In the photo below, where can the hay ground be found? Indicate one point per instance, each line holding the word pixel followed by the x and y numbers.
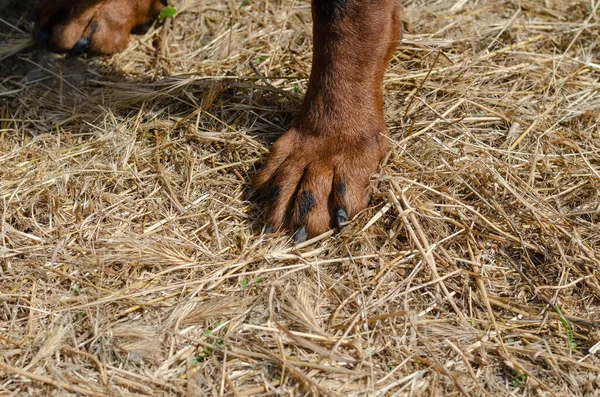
pixel 132 262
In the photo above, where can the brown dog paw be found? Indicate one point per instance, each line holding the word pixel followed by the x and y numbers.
pixel 315 182
pixel 92 26
pixel 317 174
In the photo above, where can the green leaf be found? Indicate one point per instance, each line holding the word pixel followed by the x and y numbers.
pixel 568 329
pixel 244 283
pixel 518 380
pixel 167 12
pixel 260 59
pixel 244 2
pixel 197 359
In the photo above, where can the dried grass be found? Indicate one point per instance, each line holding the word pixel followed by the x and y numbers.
pixel 132 262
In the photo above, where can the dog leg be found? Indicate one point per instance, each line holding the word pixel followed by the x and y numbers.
pixel 317 174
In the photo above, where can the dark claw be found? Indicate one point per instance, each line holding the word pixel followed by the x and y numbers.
pixel 81 45
pixel 41 37
pixel 268 229
pixel 301 235
pixel 93 29
pixel 307 202
pixel 341 188
pixel 34 16
pixel 143 28
pixel 341 217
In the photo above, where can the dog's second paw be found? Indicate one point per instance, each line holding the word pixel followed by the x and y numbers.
pixel 91 26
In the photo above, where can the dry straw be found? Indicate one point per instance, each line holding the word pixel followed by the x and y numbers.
pixel 133 264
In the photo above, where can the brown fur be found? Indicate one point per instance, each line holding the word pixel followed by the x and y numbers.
pixel 317 174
